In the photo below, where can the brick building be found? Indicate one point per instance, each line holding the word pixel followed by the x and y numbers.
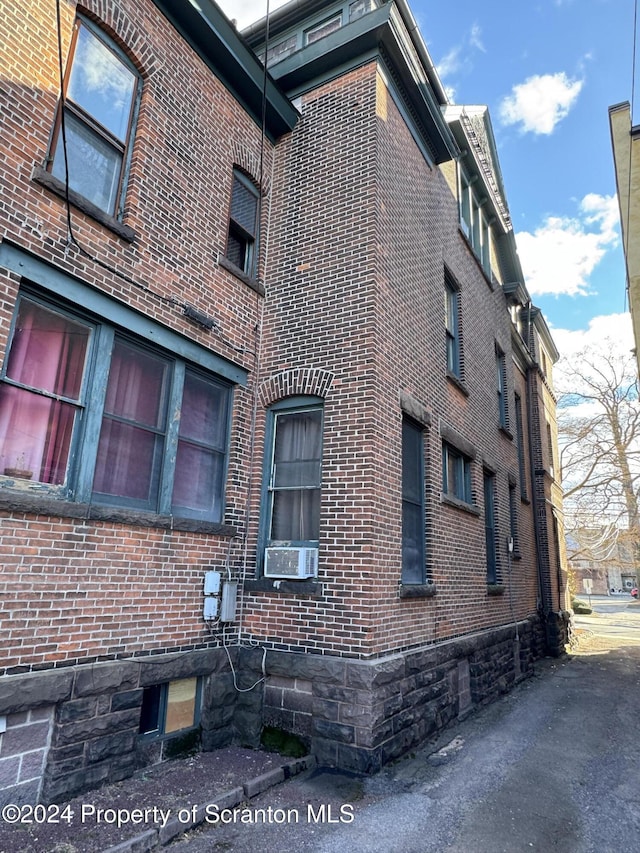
pixel 275 406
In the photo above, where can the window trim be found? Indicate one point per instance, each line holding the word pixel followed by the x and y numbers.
pixel 409 423
pixel 61 286
pixel 87 120
pixel 453 306
pixel 522 467
pixel 159 733
pixel 450 454
pixel 502 388
pixel 252 250
pixel 82 456
pixel 289 405
pixel 490 529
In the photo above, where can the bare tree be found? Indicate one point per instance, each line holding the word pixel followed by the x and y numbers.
pixel 599 437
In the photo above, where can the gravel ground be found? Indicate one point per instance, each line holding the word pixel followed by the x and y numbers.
pixel 168 787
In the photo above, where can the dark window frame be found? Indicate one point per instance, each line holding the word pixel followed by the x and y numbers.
pixel 522 468
pixel 81 458
pixel 154 707
pixel 502 388
pixel 242 247
pixel 452 310
pixel 456 472
pixel 490 525
pixel 413 502
pixel 289 406
pixel 74 112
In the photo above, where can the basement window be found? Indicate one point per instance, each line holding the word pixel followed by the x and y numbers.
pixel 171 707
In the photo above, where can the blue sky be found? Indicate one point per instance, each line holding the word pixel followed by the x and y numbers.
pixel 548 71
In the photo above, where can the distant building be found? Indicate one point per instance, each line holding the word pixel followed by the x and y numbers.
pixel 277 423
pixel 625 140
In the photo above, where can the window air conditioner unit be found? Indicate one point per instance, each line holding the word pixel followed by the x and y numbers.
pixel 295 563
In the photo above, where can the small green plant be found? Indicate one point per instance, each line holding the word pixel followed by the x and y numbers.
pixel 276 740
pixel 581 607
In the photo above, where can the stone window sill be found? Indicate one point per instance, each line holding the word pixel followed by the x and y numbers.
pixel 418 590
pixel 458 504
pixel 495 589
pixel 42 504
pixel 506 432
pixel 57 187
pixel 459 384
pixel 309 587
pixel 253 283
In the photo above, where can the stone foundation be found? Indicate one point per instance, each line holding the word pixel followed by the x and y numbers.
pixel 71 730
pixel 359 715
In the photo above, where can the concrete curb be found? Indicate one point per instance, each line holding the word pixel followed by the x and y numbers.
pixel 151 839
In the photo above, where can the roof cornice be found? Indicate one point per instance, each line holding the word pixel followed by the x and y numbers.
pixel 388 32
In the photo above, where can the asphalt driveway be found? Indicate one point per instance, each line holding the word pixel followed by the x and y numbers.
pixel 552 766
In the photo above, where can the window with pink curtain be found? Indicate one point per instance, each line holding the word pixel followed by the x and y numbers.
pixel 41 394
pixel 199 472
pixel 133 424
pixel 126 448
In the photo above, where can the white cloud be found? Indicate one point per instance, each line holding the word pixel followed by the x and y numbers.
pixel 450 63
pixel 561 254
pixel 459 58
pixel 606 333
pixel 538 104
pixel 475 38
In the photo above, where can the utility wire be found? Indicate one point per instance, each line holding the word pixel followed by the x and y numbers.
pixel 72 240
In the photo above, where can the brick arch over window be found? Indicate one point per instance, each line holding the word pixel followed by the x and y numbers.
pixel 118 26
pixel 249 162
pixel 297 382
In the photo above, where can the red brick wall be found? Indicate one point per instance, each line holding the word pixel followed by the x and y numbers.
pixel 369 307
pixel 74 589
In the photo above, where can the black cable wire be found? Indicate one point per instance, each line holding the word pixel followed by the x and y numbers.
pixel 72 239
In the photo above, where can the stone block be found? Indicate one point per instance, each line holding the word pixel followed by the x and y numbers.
pixel 280 681
pixel 358 760
pixel 302 724
pixel 325 709
pixel 374 737
pixel 105 677
pixel 315 668
pixel 299 702
pixel 370 674
pixel 141 843
pixel 38 714
pixel 278 718
pixel 172 829
pixel 9 770
pixel 24 692
pixel 217 738
pixel 273 696
pixel 156 670
pixel 77 709
pixel 32 765
pixel 325 751
pixel 116 744
pixel 25 793
pixel 264 782
pixel 333 731
pixel 96 727
pixel 17 719
pixel 66 787
pixel 126 700
pixel 19 739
